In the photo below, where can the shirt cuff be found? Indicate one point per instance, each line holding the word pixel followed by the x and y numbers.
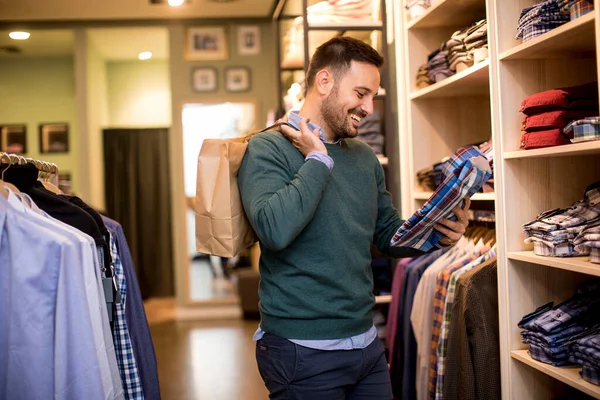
pixel 324 158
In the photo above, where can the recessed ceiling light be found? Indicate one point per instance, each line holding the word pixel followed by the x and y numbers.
pixel 19 35
pixel 176 3
pixel 145 55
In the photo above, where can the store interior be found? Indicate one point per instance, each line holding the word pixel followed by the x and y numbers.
pixel 118 98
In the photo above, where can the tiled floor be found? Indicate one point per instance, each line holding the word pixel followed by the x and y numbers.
pixel 204 360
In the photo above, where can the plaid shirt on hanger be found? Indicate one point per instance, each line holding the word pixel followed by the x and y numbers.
pixel 438 361
pixel 132 384
pixel 583 130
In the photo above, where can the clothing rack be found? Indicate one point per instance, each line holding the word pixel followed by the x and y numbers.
pixel 47 170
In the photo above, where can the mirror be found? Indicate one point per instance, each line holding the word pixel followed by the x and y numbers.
pixel 209 277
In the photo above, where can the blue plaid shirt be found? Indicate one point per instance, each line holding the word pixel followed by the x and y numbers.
pixel 466 179
pixel 539 19
pixel 583 130
pixel 132 384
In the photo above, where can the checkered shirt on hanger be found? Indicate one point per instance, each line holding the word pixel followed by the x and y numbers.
pixel 132 384
pixel 436 369
pixel 417 232
pixel 583 130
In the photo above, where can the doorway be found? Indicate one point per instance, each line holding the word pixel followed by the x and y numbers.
pixel 137 181
pixel 209 275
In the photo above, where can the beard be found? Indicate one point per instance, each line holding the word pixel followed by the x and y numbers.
pixel 336 119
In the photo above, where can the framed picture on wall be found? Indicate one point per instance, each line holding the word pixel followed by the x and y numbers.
pixel 13 138
pixel 204 79
pixel 248 40
pixel 206 43
pixel 54 138
pixel 237 79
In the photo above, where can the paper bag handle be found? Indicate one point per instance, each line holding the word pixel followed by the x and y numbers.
pixel 268 128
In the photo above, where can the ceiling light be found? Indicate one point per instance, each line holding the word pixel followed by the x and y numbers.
pixel 19 35
pixel 176 3
pixel 145 55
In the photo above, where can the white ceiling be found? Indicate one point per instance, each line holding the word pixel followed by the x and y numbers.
pixel 56 42
pixel 118 44
pixel 69 10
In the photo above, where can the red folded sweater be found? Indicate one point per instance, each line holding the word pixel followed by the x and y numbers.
pixel 574 97
pixel 540 139
pixel 554 119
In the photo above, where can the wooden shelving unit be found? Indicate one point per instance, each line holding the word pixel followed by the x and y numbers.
pixel 575 264
pixel 481 103
pixel 568 150
pixel 568 375
pixel 472 81
pixel 575 38
pixel 448 13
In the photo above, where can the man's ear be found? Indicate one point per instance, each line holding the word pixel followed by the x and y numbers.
pixel 324 82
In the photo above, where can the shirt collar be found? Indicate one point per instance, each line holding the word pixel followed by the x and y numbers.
pixel 294 118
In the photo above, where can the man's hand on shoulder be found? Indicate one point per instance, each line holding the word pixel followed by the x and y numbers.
pixel 304 140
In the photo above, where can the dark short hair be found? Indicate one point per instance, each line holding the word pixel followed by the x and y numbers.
pixel 337 54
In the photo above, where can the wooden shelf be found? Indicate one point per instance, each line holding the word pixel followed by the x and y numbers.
pixel 367 26
pixel 476 196
pixel 383 299
pixel 575 149
pixel 448 13
pixel 472 81
pixel 568 375
pixel 576 264
pixel 573 38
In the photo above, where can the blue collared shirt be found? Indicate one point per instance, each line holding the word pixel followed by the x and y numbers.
pixel 355 342
pixel 294 119
pixel 47 328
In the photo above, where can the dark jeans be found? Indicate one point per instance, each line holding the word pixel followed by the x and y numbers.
pixel 295 372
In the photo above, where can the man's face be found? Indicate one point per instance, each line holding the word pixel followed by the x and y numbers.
pixel 351 99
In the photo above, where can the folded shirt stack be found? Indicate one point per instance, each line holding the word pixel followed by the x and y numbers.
pixel 553 233
pixel 548 113
pixel 458 55
pixel 369 131
pixel 423 76
pixel 578 8
pixel 438 65
pixel 588 240
pixel 583 130
pixel 550 330
pixel 586 352
pixel 465 173
pixel 539 19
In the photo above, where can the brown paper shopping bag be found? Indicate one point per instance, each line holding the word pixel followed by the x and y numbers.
pixel 222 228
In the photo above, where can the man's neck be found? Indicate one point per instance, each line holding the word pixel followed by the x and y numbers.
pixel 316 118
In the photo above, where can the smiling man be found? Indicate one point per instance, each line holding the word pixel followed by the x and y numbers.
pixel 316 198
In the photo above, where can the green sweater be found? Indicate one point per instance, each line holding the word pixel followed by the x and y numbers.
pixel 315 228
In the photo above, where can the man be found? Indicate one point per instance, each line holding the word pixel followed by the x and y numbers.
pixel 317 200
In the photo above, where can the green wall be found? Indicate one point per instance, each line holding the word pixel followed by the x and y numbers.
pixel 262 67
pixel 36 90
pixel 139 94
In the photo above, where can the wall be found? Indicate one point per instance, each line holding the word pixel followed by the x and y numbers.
pixel 97 118
pixel 263 91
pixel 139 94
pixel 35 90
pixel 114 10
